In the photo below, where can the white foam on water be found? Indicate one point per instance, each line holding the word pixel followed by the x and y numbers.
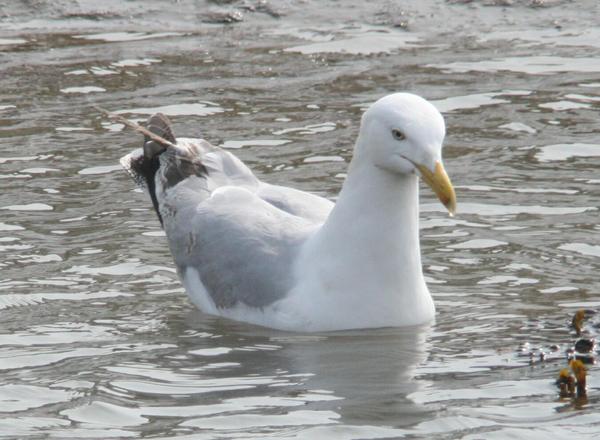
pixel 532 65
pixel 231 144
pixel 184 109
pixel 83 89
pixel 103 169
pixel 112 37
pixel 561 152
pixel 29 207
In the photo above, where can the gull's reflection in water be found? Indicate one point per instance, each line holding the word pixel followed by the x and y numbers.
pixel 371 370
pixel 366 374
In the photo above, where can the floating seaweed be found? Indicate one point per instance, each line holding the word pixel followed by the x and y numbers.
pixel 572 381
pixel 577 321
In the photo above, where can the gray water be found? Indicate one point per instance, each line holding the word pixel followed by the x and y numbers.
pixel 97 337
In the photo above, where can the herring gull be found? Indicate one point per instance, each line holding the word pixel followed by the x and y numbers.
pixel 287 259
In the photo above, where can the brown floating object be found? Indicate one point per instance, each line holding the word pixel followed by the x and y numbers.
pixel 577 321
pixel 566 383
pixel 580 373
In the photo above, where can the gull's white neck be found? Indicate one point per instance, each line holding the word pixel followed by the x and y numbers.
pixel 375 225
pixel 365 261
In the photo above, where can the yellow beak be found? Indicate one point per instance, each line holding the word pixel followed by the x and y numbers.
pixel 440 184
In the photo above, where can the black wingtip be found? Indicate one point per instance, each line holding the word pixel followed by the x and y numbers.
pixel 160 125
pixel 157 125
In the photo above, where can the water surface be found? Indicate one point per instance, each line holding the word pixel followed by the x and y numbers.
pixel 97 337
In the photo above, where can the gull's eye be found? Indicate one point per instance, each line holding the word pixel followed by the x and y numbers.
pixel 398 135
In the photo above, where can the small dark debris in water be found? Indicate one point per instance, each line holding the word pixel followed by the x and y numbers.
pixel 535 355
pixel 584 345
pixel 92 15
pixel 588 359
pixel 585 357
pixel 223 17
pixel 234 16
pixel 538 4
pixel 265 7
pixel 582 351
pixel 554 348
pixel 391 15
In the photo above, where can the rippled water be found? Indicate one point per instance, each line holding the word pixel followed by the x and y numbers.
pixel 97 337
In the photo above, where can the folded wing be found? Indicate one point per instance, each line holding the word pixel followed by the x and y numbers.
pixel 238 234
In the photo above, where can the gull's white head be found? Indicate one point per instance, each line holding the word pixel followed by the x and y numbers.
pixel 403 133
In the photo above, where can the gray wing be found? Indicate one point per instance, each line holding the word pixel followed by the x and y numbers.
pixel 242 247
pixel 221 169
pixel 241 235
pixel 299 203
